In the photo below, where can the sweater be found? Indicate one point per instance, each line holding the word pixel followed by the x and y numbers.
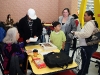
pixel 68 27
pixel 8 51
pixel 85 32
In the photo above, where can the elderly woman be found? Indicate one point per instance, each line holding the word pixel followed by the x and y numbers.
pixel 86 32
pixel 67 25
pixel 11 47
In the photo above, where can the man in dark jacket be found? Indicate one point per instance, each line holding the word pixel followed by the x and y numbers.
pixel 30 26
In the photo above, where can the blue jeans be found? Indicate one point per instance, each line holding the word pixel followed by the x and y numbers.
pixel 43 38
pixel 67 48
pixel 85 63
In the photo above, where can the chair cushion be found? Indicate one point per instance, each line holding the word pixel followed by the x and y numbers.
pixel 6 72
pixel 96 55
pixel 20 39
pixel 68 72
pixel 51 27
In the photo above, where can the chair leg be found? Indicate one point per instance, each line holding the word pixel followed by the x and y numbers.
pixel 99 69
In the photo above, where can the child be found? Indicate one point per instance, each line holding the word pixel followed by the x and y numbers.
pixel 57 37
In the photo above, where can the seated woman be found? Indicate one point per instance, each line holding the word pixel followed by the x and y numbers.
pixel 11 47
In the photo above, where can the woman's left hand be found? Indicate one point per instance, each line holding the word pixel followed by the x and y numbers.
pixel 73 32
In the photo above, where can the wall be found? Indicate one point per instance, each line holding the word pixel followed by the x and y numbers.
pixel 74 7
pixel 46 10
pixel 71 4
pixel 63 4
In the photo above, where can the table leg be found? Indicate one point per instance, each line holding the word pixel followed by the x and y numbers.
pixel 27 65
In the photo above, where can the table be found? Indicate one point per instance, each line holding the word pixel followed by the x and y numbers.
pixel 47 24
pixel 46 69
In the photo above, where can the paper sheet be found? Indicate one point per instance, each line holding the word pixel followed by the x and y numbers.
pixel 33 39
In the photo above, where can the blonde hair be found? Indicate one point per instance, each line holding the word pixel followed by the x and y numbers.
pixel 11 36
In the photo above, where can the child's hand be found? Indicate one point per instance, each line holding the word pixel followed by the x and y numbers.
pixel 62 48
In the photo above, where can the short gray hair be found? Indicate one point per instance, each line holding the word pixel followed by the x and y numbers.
pixel 11 36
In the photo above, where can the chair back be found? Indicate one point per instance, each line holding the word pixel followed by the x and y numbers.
pixel 77 57
pixel 1 63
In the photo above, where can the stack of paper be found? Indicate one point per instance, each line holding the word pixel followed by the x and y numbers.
pixel 33 39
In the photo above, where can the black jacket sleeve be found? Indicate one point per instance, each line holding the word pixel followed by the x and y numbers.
pixel 40 27
pixel 20 28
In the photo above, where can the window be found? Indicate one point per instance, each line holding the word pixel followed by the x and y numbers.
pixel 89 6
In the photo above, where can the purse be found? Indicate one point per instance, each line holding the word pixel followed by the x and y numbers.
pixel 54 59
pixel 95 37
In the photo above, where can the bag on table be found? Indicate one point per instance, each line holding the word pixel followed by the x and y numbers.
pixel 57 60
pixel 95 37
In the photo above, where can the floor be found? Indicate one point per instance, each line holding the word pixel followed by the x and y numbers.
pixel 92 70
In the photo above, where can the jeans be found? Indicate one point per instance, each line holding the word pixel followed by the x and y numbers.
pixel 67 48
pixel 43 38
pixel 86 62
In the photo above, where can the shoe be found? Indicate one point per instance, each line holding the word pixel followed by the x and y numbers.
pixel 29 72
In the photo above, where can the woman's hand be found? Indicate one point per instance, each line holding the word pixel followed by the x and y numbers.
pixel 73 32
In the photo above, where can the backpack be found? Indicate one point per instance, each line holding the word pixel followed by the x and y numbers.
pixel 54 59
pixel 2 33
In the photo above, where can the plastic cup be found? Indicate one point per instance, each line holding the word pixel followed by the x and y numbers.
pixel 35 52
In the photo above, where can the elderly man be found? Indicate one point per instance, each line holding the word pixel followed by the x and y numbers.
pixel 30 26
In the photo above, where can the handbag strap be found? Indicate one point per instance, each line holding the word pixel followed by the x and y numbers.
pixel 96 28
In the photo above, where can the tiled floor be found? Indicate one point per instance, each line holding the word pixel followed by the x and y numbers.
pixel 92 70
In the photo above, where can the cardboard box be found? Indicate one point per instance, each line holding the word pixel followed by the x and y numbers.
pixel 39 63
pixel 48 46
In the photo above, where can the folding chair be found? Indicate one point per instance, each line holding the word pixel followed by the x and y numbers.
pixel 4 72
pixel 96 55
pixel 77 58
